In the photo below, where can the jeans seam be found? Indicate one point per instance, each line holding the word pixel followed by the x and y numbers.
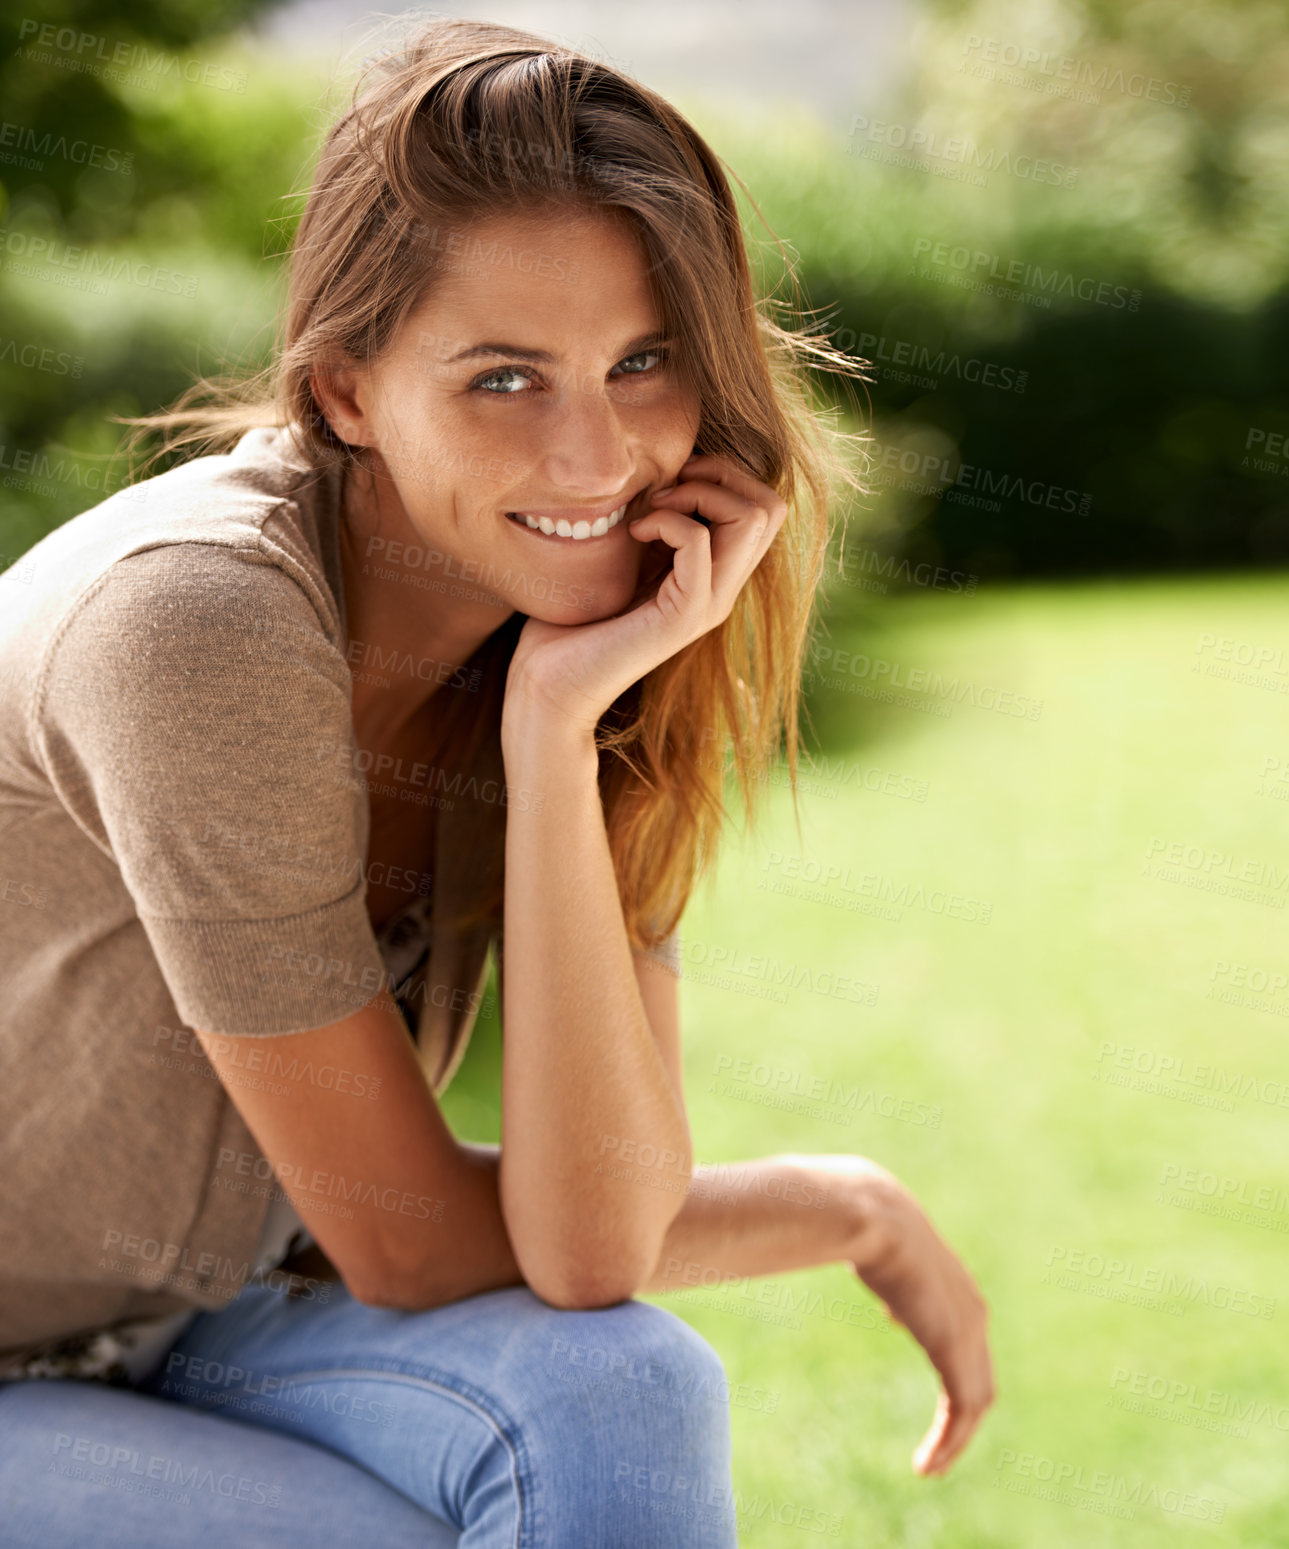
pixel 512 1443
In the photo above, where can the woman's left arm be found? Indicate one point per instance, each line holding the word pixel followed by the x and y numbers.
pixel 583 1076
pixel 780 1213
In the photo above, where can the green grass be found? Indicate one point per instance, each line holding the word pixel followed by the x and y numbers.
pixel 999 1024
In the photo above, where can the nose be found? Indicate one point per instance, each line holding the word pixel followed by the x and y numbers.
pixel 588 450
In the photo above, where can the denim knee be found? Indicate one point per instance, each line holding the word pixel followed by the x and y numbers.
pixel 637 1353
pixel 642 1399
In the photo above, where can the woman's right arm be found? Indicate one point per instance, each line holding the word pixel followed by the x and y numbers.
pixel 422 1222
pixel 194 719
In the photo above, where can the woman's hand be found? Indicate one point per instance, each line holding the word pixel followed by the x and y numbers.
pixel 899 1255
pixel 579 670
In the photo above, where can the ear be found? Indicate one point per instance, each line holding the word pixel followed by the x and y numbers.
pixel 336 390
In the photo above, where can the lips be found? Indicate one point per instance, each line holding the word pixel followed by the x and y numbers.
pixel 579 531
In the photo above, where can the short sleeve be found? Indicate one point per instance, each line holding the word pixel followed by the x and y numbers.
pixel 193 716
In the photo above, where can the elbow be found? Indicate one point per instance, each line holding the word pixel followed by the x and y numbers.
pixel 376 1290
pixel 367 1289
pixel 582 1293
pixel 372 1295
pixel 592 1257
pixel 383 1281
pixel 592 1281
pixel 393 1294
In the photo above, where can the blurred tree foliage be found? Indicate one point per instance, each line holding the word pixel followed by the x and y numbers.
pixel 147 140
pixel 1071 368
pixel 940 242
pixel 112 76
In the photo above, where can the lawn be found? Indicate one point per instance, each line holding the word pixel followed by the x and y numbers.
pixel 1079 1068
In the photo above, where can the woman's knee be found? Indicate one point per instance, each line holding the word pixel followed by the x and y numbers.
pixel 638 1353
pixel 636 1407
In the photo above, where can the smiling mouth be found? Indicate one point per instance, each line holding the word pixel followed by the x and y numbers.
pixel 572 532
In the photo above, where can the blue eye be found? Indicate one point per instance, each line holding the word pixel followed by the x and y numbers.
pixel 658 355
pixel 502 372
pixel 521 374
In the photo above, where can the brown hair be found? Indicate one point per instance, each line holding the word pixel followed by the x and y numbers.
pixel 468 120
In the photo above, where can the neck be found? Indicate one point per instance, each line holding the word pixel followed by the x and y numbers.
pixel 408 635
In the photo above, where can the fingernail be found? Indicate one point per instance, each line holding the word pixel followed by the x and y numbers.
pixel 666 490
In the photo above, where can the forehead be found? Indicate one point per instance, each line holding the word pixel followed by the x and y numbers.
pixel 566 282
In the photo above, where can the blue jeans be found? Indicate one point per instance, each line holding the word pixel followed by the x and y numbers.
pixel 497 1420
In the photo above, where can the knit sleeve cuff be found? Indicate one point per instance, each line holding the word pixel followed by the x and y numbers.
pixel 264 977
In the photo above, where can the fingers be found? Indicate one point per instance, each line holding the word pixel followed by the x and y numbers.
pixel 951 1430
pixel 720 470
pixel 967 1373
pixel 743 525
pixel 722 506
pixel 692 561
pixel 930 1455
pixel 927 1290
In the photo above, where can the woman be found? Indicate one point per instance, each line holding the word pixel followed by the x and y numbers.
pixel 521 529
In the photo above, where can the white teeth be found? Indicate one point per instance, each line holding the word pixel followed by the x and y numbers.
pixel 575 530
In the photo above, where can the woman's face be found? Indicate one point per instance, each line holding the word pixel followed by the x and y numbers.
pixel 531 383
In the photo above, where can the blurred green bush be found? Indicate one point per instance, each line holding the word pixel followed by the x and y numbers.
pixel 1065 251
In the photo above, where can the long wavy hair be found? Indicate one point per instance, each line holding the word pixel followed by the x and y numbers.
pixel 464 121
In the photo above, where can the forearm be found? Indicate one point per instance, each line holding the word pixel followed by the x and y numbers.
pixel 745 1219
pixel 737 1220
pixel 581 1060
pixel 465 1253
pixel 474 1253
pixel 769 1215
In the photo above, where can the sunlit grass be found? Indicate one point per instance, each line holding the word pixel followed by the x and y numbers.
pixel 999 1026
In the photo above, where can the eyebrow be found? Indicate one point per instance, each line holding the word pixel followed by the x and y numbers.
pixel 544 357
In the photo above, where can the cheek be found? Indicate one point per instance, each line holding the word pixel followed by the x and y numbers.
pixel 665 426
pixel 449 453
pixel 680 417
pixel 492 447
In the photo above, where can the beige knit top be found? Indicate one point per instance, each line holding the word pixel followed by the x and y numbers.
pixel 182 847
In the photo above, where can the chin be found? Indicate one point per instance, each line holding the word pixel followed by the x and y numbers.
pixel 582 602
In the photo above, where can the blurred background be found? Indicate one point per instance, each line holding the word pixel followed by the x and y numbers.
pixel 1058 231
pixel 1048 677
